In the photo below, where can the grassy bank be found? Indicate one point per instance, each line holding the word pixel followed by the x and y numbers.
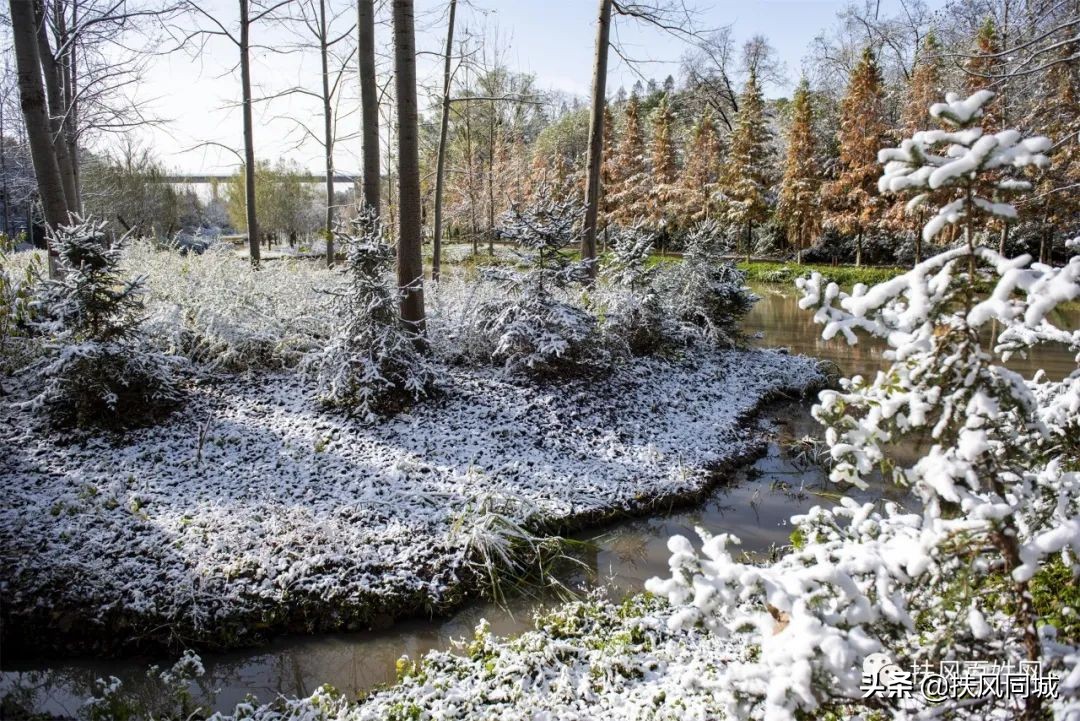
pixel 844 275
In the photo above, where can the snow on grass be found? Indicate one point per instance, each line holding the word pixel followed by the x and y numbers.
pixel 253 509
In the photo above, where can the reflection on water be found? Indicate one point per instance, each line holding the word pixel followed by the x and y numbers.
pixel 755 504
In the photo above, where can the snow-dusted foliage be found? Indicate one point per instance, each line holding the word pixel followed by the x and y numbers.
pixel 212 308
pixel 998 494
pixel 20 273
pixel 626 300
pixel 959 156
pixel 96 369
pixel 537 329
pixel 705 294
pixel 372 365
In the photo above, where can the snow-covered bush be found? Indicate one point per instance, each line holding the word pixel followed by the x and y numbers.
pixel 537 329
pixel 706 294
pixel 372 364
pixel 20 273
pixel 96 368
pixel 998 489
pixel 214 309
pixel 626 301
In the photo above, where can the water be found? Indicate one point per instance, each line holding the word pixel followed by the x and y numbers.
pixel 754 504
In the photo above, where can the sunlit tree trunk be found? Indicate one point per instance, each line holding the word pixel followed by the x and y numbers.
pixel 53 76
pixel 596 134
pixel 440 163
pixel 36 116
pixel 410 270
pixel 249 137
pixel 369 101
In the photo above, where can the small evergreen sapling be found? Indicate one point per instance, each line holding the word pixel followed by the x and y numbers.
pixel 627 301
pixel 372 365
pixel 705 294
pixel 96 368
pixel 538 331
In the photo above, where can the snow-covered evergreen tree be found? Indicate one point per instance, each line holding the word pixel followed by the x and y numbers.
pixel 537 330
pixel 705 294
pixel 632 314
pixel 96 369
pixel 998 490
pixel 372 366
pixel 664 169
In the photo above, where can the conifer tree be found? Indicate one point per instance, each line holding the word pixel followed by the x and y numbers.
pixel 1057 114
pixel 628 181
pixel 702 170
pixel 664 169
pixel 798 205
pixel 924 89
pixel 608 172
pixel 853 200
pixel 747 173
pixel 980 69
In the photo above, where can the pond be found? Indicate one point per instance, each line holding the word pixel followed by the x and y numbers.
pixel 754 504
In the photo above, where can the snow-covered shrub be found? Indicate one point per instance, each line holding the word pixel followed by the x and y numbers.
pixel 96 368
pixel 537 329
pixel 372 364
pixel 626 301
pixel 20 274
pixel 705 294
pixel 998 491
pixel 214 309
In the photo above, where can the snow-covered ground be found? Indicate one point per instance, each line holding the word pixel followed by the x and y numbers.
pixel 254 510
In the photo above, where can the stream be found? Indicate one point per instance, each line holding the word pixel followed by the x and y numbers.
pixel 617 559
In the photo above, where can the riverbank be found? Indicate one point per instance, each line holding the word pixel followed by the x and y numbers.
pixel 254 512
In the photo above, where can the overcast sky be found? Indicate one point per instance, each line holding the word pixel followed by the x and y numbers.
pixel 195 93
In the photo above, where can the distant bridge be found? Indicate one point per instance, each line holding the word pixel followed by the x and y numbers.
pixel 222 177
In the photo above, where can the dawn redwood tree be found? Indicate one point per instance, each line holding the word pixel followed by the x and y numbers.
pixel 981 68
pixel 410 271
pixel 596 135
pixel 701 171
pixel 36 116
pixel 798 204
pixel 369 101
pixel 854 204
pixel 924 89
pixel 662 156
pixel 746 178
pixel 628 176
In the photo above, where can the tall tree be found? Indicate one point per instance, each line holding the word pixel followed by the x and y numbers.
pixel 596 134
pixel 440 162
pixel 853 202
pixel 410 270
pixel 662 156
pixel 53 75
pixel 36 117
pixel 369 101
pixel 627 192
pixel 924 89
pixel 798 206
pixel 698 183
pixel 748 170
pixel 983 71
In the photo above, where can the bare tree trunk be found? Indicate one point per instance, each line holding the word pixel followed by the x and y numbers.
pixel 491 181
pixel 596 135
pixel 4 195
pixel 369 101
pixel 32 100
pixel 410 270
pixel 249 138
pixel 440 163
pixel 72 124
pixel 328 132
pixel 53 75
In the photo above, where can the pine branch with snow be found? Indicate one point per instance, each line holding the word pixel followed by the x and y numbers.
pixel 96 368
pixel 372 366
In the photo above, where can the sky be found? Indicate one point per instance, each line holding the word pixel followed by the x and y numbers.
pixel 194 93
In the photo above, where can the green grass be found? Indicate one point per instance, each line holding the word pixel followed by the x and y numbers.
pixel 844 275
